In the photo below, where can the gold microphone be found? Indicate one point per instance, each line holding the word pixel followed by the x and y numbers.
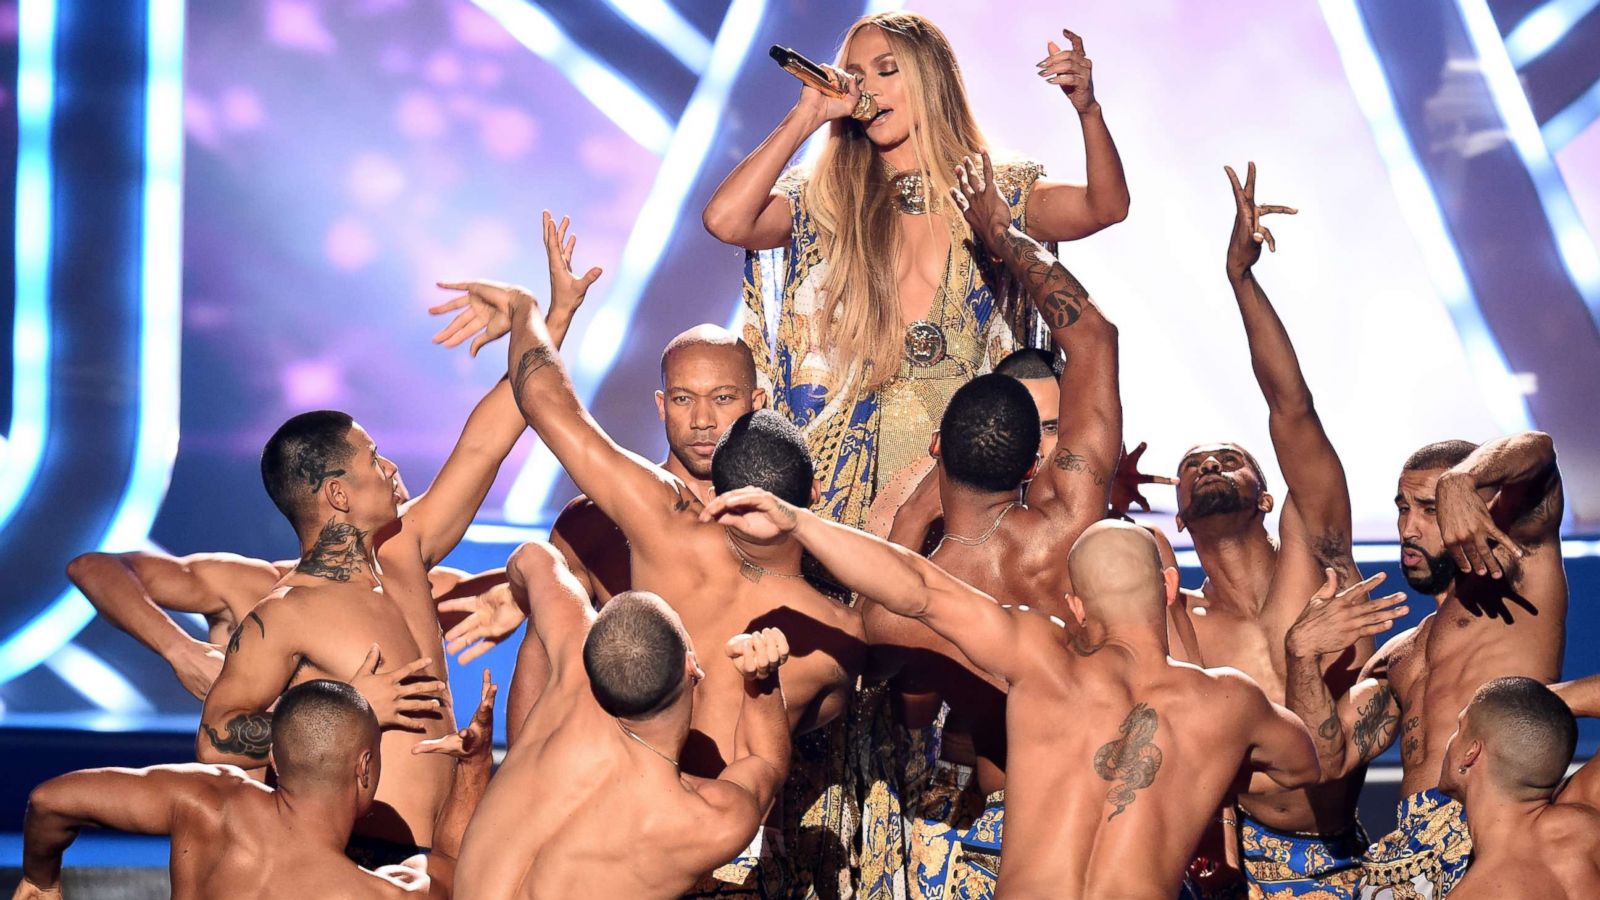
pixel 826 80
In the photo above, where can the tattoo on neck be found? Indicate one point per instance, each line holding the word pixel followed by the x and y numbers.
pixel 233 642
pixel 340 551
pixel 531 361
pixel 1132 760
pixel 1067 461
pixel 1375 724
pixel 248 734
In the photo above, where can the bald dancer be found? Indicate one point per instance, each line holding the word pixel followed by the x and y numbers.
pixel 358 605
pixel 1480 532
pixel 1532 834
pixel 724 583
pixel 591 799
pixel 1303 842
pixel 236 838
pixel 1117 755
pixel 985 450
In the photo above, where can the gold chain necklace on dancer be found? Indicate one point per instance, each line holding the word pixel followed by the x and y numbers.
pixel 750 569
pixel 980 539
pixel 629 732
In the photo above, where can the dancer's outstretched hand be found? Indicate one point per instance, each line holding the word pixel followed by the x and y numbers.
pixel 485 311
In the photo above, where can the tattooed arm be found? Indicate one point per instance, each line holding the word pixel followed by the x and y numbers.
pixel 1077 478
pixel 139 801
pixel 1350 730
pixel 235 726
pixel 135 591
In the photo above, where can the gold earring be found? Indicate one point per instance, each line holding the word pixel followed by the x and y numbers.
pixel 1461 770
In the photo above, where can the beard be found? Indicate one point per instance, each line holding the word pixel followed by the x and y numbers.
pixel 1442 571
pixel 1214 501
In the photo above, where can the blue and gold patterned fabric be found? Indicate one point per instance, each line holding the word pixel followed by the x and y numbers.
pixel 975 867
pixel 1283 865
pixel 755 873
pixel 1426 854
pixel 860 438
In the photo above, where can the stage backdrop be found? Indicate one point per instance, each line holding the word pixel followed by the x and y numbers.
pixel 226 214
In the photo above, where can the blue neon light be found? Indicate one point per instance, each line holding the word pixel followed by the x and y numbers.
pixel 1573 244
pixel 160 335
pixel 659 20
pixel 647 242
pixel 612 94
pixel 1419 205
pixel 1543 28
pixel 97 682
pixel 30 339
pixel 1571 122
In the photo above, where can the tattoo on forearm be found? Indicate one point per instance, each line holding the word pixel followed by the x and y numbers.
pixel 340 550
pixel 248 734
pixel 1329 729
pixel 1067 461
pixel 531 361
pixel 233 642
pixel 1060 297
pixel 1375 724
pixel 1132 760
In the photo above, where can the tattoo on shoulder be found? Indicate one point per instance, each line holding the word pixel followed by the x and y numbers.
pixel 531 361
pixel 248 734
pixel 340 550
pixel 238 632
pixel 1375 723
pixel 1067 461
pixel 1132 760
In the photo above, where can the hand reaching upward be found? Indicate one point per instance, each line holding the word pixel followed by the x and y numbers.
pixel 566 290
pixel 1244 245
pixel 1070 70
pixel 485 311
pixel 759 654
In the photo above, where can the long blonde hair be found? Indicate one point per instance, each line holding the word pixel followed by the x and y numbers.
pixel 848 195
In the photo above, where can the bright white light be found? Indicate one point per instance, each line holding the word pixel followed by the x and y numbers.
pixel 610 93
pixel 1570 122
pixel 647 241
pixel 97 682
pixel 1573 244
pixel 1543 28
pixel 480 533
pixel 669 28
pixel 1423 216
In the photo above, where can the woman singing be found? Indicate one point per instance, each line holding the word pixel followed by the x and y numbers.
pixel 883 310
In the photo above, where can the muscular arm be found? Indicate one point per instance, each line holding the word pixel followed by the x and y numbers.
pixel 1280 745
pixel 1350 730
pixel 440 516
pixel 1582 695
pixel 1521 469
pixel 744 210
pixel 135 590
pixel 1076 480
pixel 761 740
pixel 235 727
pixel 558 622
pixel 141 801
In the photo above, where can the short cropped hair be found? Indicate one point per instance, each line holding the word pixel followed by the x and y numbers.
pixel 634 656
pixel 763 449
pixel 318 728
pixel 989 436
pixel 303 453
pixel 1250 458
pixel 1529 730
pixel 716 337
pixel 1030 363
pixel 1439 455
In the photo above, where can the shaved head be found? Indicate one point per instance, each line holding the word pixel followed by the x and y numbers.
pixel 1117 572
pixel 716 338
pixel 1527 731
pixel 635 655
pixel 319 729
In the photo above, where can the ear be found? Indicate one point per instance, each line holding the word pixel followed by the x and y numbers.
pixel 1178 520
pixel 1075 604
pixel 816 490
pixel 333 491
pixel 364 769
pixel 1473 752
pixel 1169 577
pixel 758 399
pixel 933 446
pixel 691 668
pixel 272 763
pixel 661 405
pixel 1033 470
pixel 1265 504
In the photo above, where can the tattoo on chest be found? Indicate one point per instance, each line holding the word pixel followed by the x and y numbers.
pixel 1412 742
pixel 233 642
pixel 685 499
pixel 531 361
pixel 247 734
pixel 1132 760
pixel 1067 461
pixel 340 551
pixel 1375 723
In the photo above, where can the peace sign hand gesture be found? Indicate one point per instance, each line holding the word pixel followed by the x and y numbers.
pixel 1244 246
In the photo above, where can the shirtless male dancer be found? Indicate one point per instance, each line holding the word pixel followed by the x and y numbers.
pixel 723 583
pixel 1304 841
pixel 708 379
pixel 360 599
pixel 234 837
pixel 1532 835
pixel 1097 718
pixel 1480 531
pixel 590 799
pixel 986 447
